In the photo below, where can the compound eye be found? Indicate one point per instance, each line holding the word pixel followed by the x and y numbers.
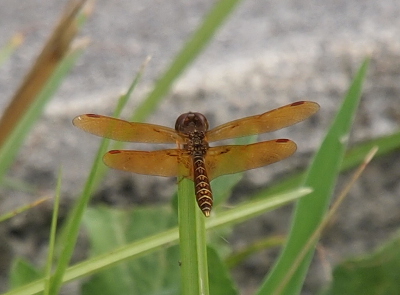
pixel 180 122
pixel 190 122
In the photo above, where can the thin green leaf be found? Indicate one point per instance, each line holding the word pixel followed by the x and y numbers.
pixel 201 243
pixel 192 234
pixel 353 157
pixel 14 141
pixel 221 282
pixel 263 244
pixel 48 61
pixel 385 144
pixel 22 273
pixel 123 100
pixel 72 226
pixel 50 255
pixel 71 229
pixel 157 273
pixel 191 241
pixel 321 177
pixel 21 209
pixel 159 241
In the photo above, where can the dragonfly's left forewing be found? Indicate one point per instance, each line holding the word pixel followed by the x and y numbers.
pixel 122 130
pixel 160 163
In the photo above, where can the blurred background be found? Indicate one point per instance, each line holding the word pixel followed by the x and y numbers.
pixel 266 55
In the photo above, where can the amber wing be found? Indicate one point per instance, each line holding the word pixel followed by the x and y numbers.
pixel 230 159
pixel 161 163
pixel 125 131
pixel 267 122
pixel 220 160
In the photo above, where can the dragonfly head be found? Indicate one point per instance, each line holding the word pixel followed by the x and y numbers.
pixel 190 122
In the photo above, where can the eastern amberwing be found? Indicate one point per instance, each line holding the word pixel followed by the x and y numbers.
pixel 194 158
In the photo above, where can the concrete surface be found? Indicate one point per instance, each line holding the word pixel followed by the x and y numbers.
pixel 268 53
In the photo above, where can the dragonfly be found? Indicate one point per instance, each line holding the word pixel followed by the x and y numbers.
pixel 194 158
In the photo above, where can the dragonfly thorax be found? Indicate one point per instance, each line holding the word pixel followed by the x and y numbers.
pixel 195 144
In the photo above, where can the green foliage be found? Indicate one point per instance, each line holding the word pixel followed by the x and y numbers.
pixel 309 211
pixel 377 273
pixel 157 273
pixel 159 241
pixel 221 282
pixel 23 272
pixel 134 251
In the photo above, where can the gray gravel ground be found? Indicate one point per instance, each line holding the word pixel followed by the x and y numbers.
pixel 269 53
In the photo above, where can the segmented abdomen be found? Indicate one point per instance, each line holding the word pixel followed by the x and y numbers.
pixel 202 185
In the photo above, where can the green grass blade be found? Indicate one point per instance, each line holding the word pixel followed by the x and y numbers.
pixel 221 282
pixel 187 237
pixel 385 144
pixel 21 209
pixel 192 243
pixel 13 143
pixel 49 59
pixel 109 229
pixel 148 245
pixel 53 229
pixel 310 210
pixel 23 273
pixel 201 241
pixel 189 52
pixel 71 230
pixel 259 245
pixel 353 157
pixel 123 100
pixel 254 208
